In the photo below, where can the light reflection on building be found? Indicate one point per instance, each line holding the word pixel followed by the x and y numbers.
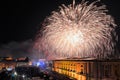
pixel 88 69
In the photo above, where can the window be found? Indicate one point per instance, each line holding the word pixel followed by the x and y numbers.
pixel 81 65
pixel 81 72
pixel 106 70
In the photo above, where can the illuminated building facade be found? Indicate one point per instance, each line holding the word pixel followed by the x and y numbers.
pixel 88 69
pixel 7 62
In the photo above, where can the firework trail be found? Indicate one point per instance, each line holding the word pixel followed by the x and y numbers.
pixel 82 30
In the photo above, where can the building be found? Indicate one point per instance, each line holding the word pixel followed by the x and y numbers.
pixel 7 62
pixel 22 61
pixel 89 69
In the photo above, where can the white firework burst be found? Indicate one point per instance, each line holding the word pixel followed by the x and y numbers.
pixel 82 30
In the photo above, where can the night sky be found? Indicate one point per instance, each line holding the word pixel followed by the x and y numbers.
pixel 20 19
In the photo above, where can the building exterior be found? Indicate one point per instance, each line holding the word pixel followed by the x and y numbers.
pixel 22 61
pixel 88 69
pixel 7 62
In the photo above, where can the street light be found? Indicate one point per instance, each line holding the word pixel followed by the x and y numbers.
pixel 15 74
pixel 24 77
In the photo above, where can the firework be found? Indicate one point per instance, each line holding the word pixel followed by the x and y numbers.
pixel 82 30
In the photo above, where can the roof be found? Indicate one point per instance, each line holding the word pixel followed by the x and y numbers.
pixel 89 59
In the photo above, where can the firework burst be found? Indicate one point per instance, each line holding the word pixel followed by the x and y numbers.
pixel 82 30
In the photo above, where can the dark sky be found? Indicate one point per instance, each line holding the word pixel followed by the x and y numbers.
pixel 19 19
